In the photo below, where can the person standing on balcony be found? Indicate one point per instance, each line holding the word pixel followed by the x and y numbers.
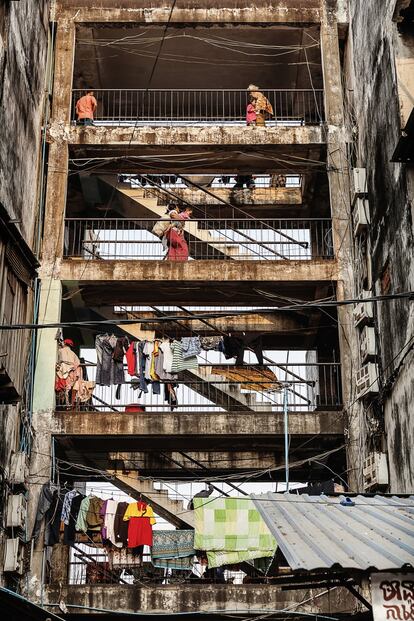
pixel 174 236
pixel 250 114
pixel 85 108
pixel 261 105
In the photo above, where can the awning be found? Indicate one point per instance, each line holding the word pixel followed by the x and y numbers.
pixel 16 608
pixel 319 533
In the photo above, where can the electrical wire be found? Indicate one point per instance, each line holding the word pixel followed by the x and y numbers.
pixel 300 305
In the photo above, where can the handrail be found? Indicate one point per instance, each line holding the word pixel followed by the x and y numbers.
pixel 200 90
pixel 214 219
pixel 237 238
pixel 299 106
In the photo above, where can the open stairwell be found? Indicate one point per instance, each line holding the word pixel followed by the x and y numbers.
pixel 227 396
pixel 174 511
pixel 142 203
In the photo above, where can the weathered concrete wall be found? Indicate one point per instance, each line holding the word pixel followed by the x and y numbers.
pixel 286 11
pixel 23 50
pixel 374 116
pixel 225 271
pixel 191 134
pixel 241 598
pixel 179 424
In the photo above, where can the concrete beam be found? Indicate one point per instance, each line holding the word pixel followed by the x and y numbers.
pixel 256 197
pixel 129 428
pixel 225 462
pixel 243 599
pixel 202 271
pixel 277 323
pixel 212 460
pixel 206 11
pixel 131 137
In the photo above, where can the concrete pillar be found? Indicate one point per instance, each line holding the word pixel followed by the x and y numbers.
pixel 339 189
pixel 43 415
pixel 53 228
pixel 63 75
pixel 46 348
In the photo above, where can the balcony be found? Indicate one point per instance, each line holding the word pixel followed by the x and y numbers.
pixel 138 107
pixel 228 388
pixel 217 405
pixel 206 239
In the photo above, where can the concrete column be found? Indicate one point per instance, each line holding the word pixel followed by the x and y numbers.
pixel 43 416
pixel 53 228
pixel 46 348
pixel 339 189
pixel 63 75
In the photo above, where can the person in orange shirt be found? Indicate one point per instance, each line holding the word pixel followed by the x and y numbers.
pixel 85 108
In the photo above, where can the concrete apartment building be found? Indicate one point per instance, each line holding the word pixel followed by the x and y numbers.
pixel 328 221
pixel 24 35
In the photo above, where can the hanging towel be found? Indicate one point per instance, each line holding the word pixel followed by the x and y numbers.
pixel 173 543
pixel 173 549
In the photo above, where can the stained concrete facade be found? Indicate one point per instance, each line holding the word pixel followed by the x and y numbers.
pixel 88 284
pixel 24 39
pixel 249 599
pixel 379 94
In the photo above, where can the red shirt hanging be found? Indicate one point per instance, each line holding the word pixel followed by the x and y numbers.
pixel 141 518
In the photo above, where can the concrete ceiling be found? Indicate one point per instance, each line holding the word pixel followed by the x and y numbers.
pixel 228 158
pixel 206 293
pixel 94 450
pixel 118 57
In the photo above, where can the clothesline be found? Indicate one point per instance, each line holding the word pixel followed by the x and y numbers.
pixel 227 531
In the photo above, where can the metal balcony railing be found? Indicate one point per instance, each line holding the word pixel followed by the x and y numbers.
pixel 247 388
pixel 207 238
pixel 91 565
pixel 224 106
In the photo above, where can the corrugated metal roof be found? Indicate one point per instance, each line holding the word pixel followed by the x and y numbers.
pixel 317 532
pixel 16 607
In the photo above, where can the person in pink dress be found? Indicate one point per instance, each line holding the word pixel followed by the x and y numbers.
pixel 250 114
pixel 177 244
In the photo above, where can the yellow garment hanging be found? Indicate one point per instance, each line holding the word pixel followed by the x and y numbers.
pixel 133 510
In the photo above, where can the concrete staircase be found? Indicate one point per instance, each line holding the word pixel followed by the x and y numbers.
pixel 226 395
pixel 138 203
pixel 174 511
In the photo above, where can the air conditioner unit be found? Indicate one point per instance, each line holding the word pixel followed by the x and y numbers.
pixel 375 471
pixel 13 556
pixel 367 381
pixel 19 468
pixel 360 216
pixel 359 183
pixel 16 511
pixel 363 311
pixel 368 343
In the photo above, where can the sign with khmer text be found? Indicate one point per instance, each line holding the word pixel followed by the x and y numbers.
pixel 393 597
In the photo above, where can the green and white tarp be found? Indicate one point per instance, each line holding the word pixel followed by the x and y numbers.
pixel 231 530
